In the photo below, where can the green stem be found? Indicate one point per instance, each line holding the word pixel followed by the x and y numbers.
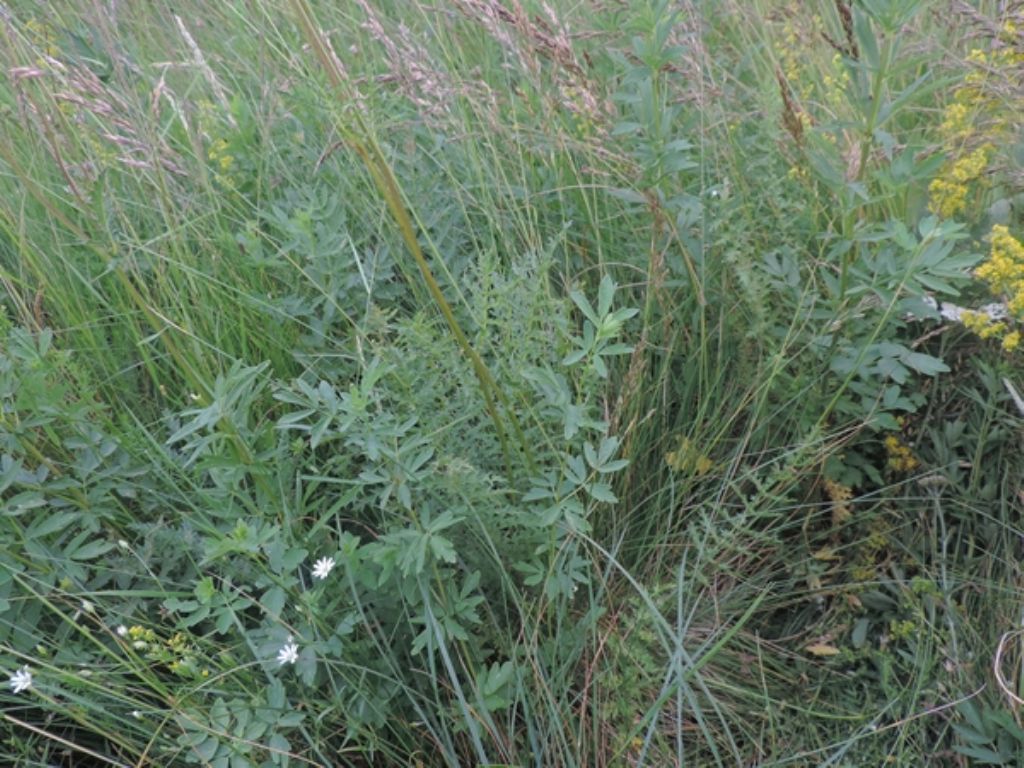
pixel 369 151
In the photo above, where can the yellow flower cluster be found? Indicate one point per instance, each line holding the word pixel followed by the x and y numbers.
pixel 949 191
pixel 836 79
pixel 901 458
pixel 688 459
pixel 989 63
pixel 982 324
pixel 990 69
pixel 901 630
pixel 177 652
pixel 789 51
pixel 44 38
pixel 1004 269
pixel 142 635
pixel 1004 273
pixel 871 549
pixel 979 106
pixel 211 124
pixel 218 153
pixel 957 122
pixel 840 496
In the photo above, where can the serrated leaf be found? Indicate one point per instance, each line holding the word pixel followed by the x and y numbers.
pixel 442 549
pixel 602 492
pixel 613 466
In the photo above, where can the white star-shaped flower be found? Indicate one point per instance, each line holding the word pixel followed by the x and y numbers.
pixel 21 680
pixel 323 567
pixel 289 654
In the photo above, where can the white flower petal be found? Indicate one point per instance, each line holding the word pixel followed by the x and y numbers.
pixel 323 567
pixel 21 680
pixel 289 654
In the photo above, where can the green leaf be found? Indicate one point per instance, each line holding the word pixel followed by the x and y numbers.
pixel 273 602
pixel 602 492
pixel 924 364
pixel 494 686
pixel 442 549
pixel 205 590
pixel 92 550
pixel 22 502
pixel 280 748
pixel 225 620
pixel 983 754
pixel 860 632
pixel 605 295
pixel 971 736
pixel 626 195
pixel 44 525
pixel 584 305
pixel 207 748
pixel 574 357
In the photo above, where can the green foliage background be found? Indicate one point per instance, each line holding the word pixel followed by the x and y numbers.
pixel 577 384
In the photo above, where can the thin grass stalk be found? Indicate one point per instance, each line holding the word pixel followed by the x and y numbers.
pixel 370 153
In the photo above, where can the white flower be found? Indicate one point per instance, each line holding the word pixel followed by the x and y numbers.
pixel 122 630
pixel 289 654
pixel 21 680
pixel 323 567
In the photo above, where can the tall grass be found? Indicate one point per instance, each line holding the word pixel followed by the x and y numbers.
pixel 508 383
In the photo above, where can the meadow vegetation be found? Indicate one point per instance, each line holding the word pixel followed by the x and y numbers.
pixel 511 382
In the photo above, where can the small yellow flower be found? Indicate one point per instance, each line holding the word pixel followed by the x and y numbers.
pixel 688 459
pixel 901 630
pixel 840 496
pixel 957 121
pixel 1004 269
pixel 949 191
pixel 901 458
